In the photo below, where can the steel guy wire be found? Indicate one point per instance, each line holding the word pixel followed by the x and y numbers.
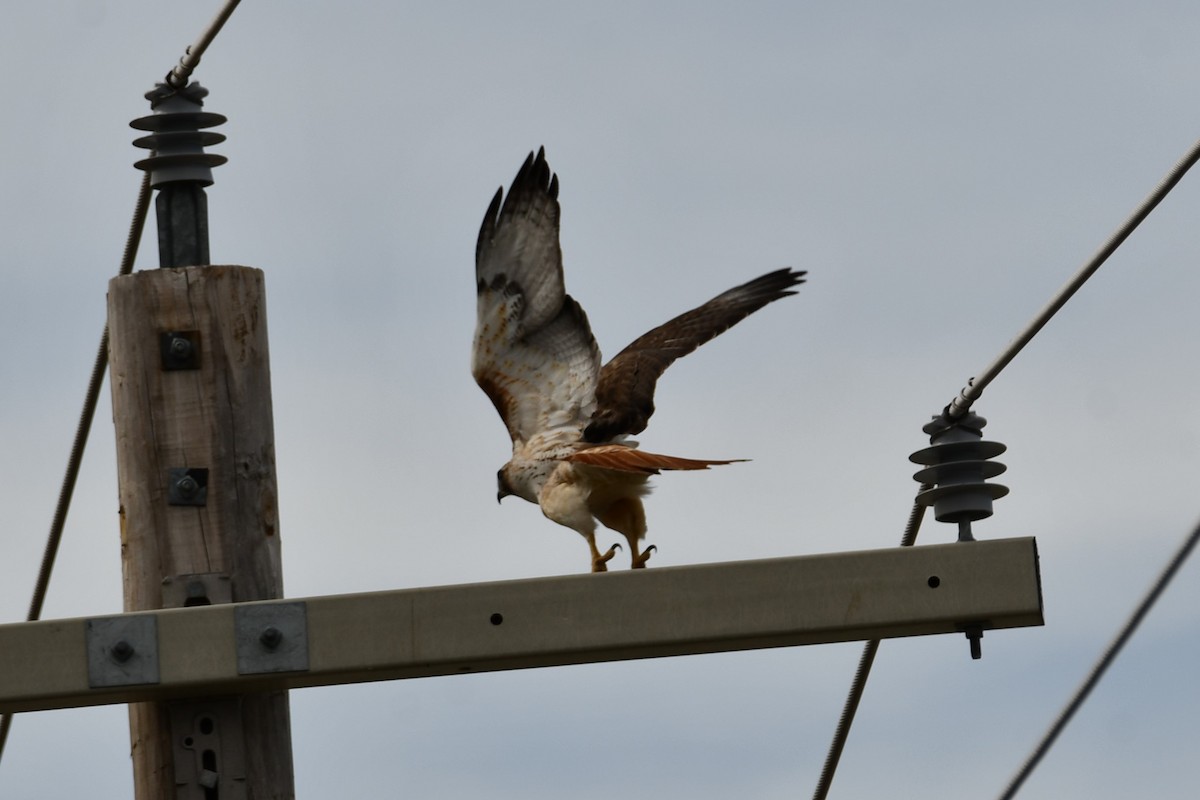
pixel 91 398
pixel 178 77
pixel 1110 655
pixel 975 386
pixel 858 685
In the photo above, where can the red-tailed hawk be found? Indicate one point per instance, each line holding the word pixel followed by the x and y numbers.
pixel 535 357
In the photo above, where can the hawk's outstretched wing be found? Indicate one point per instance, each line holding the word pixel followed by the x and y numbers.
pixel 534 353
pixel 625 392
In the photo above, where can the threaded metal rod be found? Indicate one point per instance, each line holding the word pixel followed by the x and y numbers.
pixel 859 684
pixel 92 396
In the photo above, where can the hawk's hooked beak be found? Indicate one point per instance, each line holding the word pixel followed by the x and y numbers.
pixel 502 488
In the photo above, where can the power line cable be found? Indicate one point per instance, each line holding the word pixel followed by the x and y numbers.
pixel 178 77
pixel 91 398
pixel 1110 655
pixel 974 388
pixel 959 407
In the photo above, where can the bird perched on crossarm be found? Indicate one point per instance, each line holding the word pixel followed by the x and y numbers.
pixel 535 357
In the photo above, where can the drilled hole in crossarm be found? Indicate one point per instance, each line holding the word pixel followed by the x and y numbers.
pixel 934 581
pixel 497 618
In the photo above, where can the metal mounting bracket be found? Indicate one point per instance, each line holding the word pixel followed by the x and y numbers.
pixel 122 651
pixel 271 638
pixel 210 758
pixel 198 589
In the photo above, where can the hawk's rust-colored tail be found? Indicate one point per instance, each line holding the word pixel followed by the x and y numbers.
pixel 627 459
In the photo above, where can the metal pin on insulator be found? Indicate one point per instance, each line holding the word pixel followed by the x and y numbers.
pixel 958 467
pixel 178 141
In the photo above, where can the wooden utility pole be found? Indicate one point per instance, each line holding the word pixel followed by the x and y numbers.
pixel 196 466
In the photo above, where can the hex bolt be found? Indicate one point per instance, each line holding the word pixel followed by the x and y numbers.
pixel 180 348
pixel 974 635
pixel 271 637
pixel 187 487
pixel 122 651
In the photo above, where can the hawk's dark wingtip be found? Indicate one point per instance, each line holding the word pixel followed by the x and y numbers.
pixel 532 178
pixel 489 221
pixel 753 295
pixel 535 174
pixel 781 280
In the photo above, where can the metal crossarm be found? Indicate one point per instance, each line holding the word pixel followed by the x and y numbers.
pixel 410 633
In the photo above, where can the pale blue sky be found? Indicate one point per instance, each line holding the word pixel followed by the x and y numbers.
pixel 940 168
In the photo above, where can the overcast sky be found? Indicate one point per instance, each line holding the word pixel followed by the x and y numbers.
pixel 939 168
